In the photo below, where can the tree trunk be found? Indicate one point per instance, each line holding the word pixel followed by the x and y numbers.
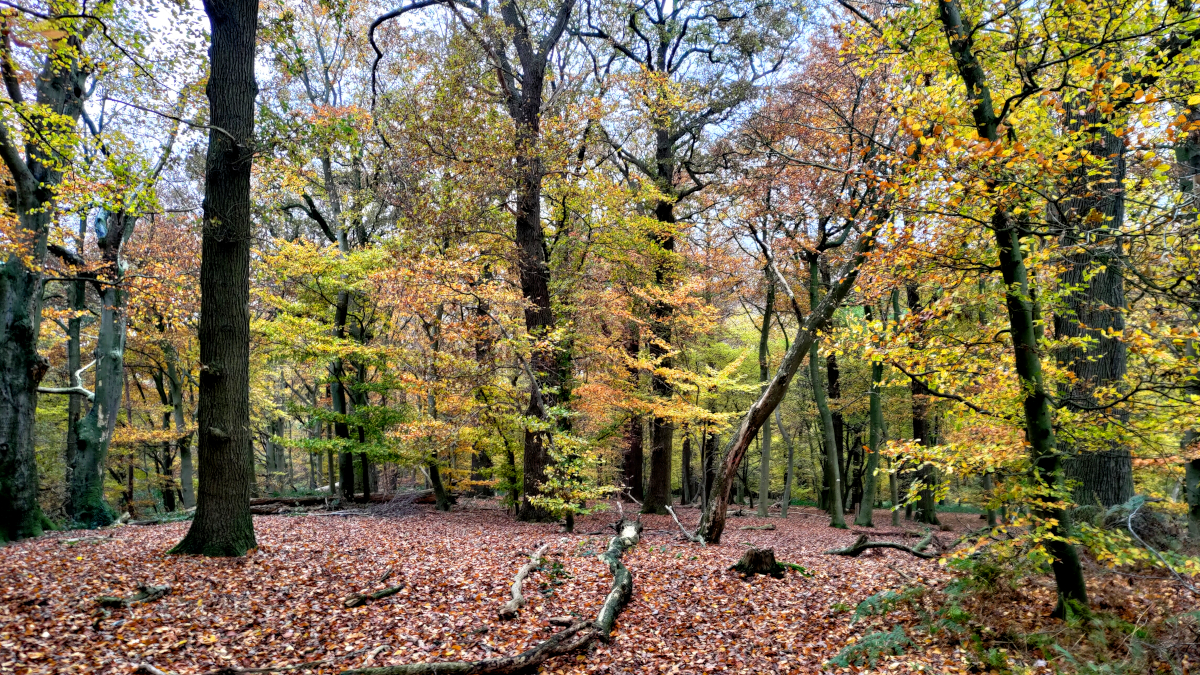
pixel 223 525
pixel 764 374
pixel 1090 220
pixel 988 486
pixel 1023 320
pixel 685 459
pixel 709 464
pixel 634 460
pixel 866 512
pixel 183 441
pixel 833 476
pixel 31 188
pixel 77 297
pixel 894 487
pixel 94 431
pixel 791 466
pixel 712 523
pixel 926 510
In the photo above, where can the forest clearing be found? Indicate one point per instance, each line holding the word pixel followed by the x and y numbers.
pixel 624 336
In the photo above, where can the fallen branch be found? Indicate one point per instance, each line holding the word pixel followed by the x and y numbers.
pixel 862 544
pixel 145 594
pixel 575 638
pixel 360 599
pixel 510 608
pixel 768 526
pixel 690 536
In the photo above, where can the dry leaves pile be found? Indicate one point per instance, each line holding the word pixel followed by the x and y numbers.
pixel 284 603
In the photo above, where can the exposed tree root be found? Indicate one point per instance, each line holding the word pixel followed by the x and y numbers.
pixel 512 607
pixel 146 593
pixel 862 544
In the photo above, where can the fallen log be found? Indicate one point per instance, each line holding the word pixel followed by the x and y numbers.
pixel 863 544
pixel 146 593
pixel 512 607
pixel 768 526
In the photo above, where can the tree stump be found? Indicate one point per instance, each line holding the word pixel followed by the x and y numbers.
pixel 759 561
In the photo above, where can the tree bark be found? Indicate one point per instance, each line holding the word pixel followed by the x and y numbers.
pixel 223 525
pixel 1090 220
pixel 1020 302
pixel 866 512
pixel 764 374
pixel 634 460
pixel 791 465
pixel 33 178
pixel 94 431
pixel 183 441
pixel 926 510
pixel 833 476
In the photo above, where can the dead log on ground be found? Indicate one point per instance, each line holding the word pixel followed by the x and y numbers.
pixel 768 526
pixel 759 561
pixel 862 544
pixel 510 608
pixel 146 593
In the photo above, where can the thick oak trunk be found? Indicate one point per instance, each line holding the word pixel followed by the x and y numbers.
pixel 222 525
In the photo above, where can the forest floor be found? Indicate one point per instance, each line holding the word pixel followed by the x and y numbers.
pixel 283 604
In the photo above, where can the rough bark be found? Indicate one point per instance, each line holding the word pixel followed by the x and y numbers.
pixel 223 525
pixel 759 561
pixel 32 182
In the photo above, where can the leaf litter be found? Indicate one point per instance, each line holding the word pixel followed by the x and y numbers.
pixel 284 604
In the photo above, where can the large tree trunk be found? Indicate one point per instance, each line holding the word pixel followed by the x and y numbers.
pixel 77 297
pixel 223 525
pixel 1089 218
pixel 764 374
pixel 712 523
pixel 30 194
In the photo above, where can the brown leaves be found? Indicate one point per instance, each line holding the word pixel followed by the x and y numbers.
pixel 284 604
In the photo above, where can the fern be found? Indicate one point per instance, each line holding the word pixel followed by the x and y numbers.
pixel 868 650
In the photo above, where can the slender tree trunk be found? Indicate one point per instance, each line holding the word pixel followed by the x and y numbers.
pixel 1023 321
pixel 894 487
pixel 685 458
pixel 833 475
pixel 94 431
pixel 634 460
pixel 223 525
pixel 764 375
pixel 866 513
pixel 183 442
pixel 712 523
pixel 77 297
pixel 791 465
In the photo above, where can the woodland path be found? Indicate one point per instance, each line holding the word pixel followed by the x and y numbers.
pixel 283 604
